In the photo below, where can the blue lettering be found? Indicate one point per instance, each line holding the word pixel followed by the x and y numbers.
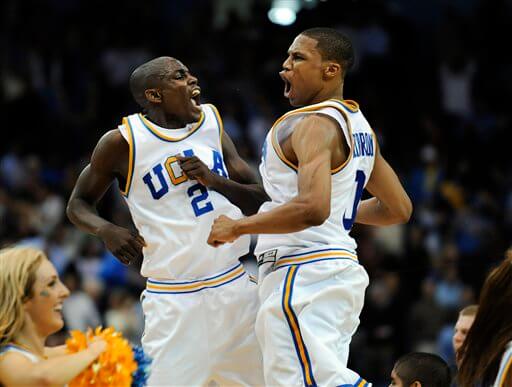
pixel 164 188
pixel 218 164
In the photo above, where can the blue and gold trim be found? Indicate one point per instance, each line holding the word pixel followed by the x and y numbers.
pixel 293 323
pixel 173 287
pixel 505 369
pixel 153 130
pixel 131 156
pixel 220 124
pixel 327 254
pixel 340 105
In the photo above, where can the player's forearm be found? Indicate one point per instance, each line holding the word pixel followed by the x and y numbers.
pixel 293 216
pixel 374 212
pixel 84 216
pixel 248 197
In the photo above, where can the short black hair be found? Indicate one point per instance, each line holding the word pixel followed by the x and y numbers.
pixel 147 76
pixel 428 369
pixel 333 45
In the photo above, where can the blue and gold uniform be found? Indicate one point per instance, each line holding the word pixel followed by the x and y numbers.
pixel 199 303
pixel 312 286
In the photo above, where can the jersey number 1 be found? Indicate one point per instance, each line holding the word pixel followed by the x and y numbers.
pixel 360 179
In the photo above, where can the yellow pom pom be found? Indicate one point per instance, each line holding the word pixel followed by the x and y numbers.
pixel 114 367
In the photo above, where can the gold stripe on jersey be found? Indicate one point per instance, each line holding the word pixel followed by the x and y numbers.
pixel 219 120
pixel 293 323
pixel 353 105
pixel 131 156
pixel 506 369
pixel 314 257
pixel 150 126
pixel 194 286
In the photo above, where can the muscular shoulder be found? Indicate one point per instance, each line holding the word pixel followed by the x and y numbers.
pixel 317 126
pixel 111 151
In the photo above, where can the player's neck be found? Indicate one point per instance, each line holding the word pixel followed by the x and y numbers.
pixel 164 121
pixel 326 94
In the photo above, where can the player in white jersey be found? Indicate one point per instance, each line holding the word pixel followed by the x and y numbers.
pixel 316 162
pixel 199 304
pixel 31 297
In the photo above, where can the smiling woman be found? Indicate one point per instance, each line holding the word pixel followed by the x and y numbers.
pixel 31 296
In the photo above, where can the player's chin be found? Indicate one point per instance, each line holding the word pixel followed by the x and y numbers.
pixel 295 102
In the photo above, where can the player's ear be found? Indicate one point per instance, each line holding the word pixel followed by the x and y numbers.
pixel 415 384
pixel 153 95
pixel 331 70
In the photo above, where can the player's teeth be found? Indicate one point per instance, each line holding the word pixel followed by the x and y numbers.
pixel 195 93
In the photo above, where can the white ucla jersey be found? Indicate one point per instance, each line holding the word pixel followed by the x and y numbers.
pixel 173 214
pixel 348 180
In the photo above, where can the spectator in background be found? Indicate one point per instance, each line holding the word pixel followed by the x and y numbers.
pixel 420 369
pixel 486 354
pixel 462 327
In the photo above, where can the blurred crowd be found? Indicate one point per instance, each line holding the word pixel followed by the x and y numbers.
pixel 433 78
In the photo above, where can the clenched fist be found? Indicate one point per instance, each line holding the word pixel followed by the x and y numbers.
pixel 223 230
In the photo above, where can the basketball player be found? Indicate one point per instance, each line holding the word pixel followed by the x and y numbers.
pixel 199 304
pixel 316 162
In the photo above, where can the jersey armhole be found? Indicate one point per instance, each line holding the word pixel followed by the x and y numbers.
pixel 126 131
pixel 220 124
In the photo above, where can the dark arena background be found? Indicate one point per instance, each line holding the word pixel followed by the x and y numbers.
pixel 433 78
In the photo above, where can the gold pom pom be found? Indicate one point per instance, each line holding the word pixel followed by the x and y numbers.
pixel 114 367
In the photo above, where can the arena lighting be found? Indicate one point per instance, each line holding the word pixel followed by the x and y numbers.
pixel 284 12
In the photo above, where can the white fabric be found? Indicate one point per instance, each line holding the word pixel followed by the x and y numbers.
pixel 327 298
pixel 175 235
pixel 318 312
pixel 505 366
pixel 204 338
pixel 14 348
pixel 280 180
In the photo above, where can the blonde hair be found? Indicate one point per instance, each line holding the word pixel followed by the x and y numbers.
pixel 18 268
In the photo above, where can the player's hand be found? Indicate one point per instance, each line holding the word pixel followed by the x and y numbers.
pixel 124 244
pixel 223 230
pixel 195 169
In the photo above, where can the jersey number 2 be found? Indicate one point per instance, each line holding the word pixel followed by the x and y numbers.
pixel 360 179
pixel 198 202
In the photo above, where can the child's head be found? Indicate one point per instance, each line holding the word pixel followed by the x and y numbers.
pixel 419 369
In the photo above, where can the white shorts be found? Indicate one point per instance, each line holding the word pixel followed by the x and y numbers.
pixel 311 300
pixel 202 332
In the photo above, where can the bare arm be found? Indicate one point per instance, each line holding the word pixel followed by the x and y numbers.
pixel 390 204
pixel 106 164
pixel 55 351
pixel 57 370
pixel 312 141
pixel 242 188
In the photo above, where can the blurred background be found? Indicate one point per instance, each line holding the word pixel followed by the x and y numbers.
pixel 434 79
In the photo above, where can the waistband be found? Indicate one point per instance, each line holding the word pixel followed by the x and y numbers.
pixel 300 258
pixel 180 287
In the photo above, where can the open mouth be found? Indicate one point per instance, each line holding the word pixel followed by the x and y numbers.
pixel 287 88
pixel 196 97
